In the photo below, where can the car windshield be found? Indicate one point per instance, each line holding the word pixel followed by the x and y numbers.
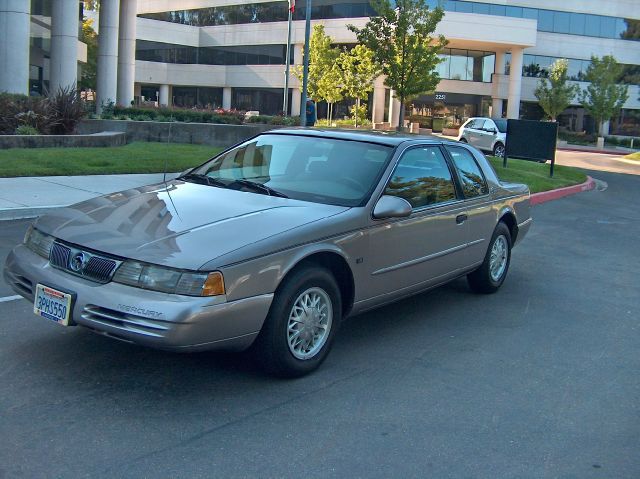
pixel 501 124
pixel 321 170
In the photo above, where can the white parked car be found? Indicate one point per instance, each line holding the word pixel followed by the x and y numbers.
pixel 486 134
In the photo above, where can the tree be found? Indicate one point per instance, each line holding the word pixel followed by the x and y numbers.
pixel 91 4
pixel 603 98
pixel 359 70
pixel 329 88
pixel 322 61
pixel 88 36
pixel 555 94
pixel 402 39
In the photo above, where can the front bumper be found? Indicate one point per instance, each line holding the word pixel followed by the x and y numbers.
pixel 150 318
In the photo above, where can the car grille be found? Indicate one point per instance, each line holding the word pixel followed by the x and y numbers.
pixel 94 267
pixel 124 321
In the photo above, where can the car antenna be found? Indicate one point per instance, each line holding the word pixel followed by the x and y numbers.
pixel 166 156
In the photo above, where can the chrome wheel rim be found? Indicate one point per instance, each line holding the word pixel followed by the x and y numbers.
pixel 499 151
pixel 309 323
pixel 498 259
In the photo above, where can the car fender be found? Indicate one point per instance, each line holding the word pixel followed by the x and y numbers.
pixel 264 274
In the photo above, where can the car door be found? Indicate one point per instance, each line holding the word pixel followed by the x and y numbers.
pixel 477 201
pixel 471 131
pixel 486 135
pixel 428 246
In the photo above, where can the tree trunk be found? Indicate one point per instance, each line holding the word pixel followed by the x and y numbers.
pixel 401 116
pixel 357 111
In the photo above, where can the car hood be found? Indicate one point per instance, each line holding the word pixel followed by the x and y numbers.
pixel 179 224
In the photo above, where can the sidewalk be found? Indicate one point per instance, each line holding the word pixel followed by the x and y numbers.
pixel 607 150
pixel 28 197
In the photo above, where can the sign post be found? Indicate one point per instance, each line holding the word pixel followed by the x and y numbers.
pixel 305 70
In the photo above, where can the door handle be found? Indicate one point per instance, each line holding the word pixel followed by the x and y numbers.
pixel 461 219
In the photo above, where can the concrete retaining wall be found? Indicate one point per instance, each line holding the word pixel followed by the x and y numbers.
pixel 197 133
pixel 104 138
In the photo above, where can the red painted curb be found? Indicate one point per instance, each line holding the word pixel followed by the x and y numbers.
pixel 545 196
pixel 602 152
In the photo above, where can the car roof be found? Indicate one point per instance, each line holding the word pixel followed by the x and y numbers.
pixel 388 138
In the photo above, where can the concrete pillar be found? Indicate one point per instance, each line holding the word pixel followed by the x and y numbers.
pixel 15 20
pixel 580 119
pixel 137 90
pixel 296 98
pixel 515 83
pixel 64 44
pixel 500 63
pixel 107 82
pixel 496 107
pixel 127 51
pixel 394 110
pixel 163 96
pixel 377 114
pixel 226 98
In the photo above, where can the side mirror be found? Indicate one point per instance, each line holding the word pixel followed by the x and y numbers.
pixel 391 207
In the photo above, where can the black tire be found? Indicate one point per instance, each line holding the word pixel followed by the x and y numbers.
pixel 463 140
pixel 498 150
pixel 272 347
pixel 482 280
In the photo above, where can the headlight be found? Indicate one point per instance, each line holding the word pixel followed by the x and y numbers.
pixel 168 280
pixel 38 242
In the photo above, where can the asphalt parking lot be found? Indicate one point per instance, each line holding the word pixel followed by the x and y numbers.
pixel 540 380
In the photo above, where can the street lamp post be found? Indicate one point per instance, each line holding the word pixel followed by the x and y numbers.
pixel 305 70
pixel 285 103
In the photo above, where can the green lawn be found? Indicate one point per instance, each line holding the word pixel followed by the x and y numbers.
pixel 150 158
pixel 536 175
pixel 633 156
pixel 132 158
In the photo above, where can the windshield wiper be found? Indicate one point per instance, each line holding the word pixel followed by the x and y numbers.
pixel 254 185
pixel 207 180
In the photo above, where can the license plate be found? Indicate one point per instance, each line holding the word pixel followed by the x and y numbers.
pixel 52 304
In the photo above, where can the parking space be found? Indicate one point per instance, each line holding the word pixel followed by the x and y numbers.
pixel 539 380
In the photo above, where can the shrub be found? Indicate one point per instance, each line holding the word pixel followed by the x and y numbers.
pixel 17 110
pixel 424 121
pixel 26 130
pixel 274 120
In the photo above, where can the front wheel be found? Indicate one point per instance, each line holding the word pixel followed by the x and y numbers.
pixel 463 140
pixel 498 150
pixel 491 274
pixel 302 323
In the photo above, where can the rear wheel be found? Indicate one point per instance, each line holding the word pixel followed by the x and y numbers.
pixel 302 323
pixel 498 150
pixel 491 274
pixel 463 140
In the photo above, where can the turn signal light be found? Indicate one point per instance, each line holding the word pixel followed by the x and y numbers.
pixel 214 284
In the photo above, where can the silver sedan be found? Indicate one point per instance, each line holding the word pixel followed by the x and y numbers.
pixel 272 243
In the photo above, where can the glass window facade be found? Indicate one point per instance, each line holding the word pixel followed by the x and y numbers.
pixel 191 96
pixel 548 20
pixel 551 20
pixel 538 66
pixel 264 13
pixel 231 55
pixel 467 65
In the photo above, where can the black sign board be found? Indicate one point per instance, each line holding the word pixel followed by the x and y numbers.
pixel 531 140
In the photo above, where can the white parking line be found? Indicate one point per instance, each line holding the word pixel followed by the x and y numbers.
pixel 6 299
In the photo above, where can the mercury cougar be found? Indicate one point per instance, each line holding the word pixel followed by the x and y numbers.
pixel 272 243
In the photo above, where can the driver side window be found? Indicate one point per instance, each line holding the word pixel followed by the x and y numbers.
pixel 422 177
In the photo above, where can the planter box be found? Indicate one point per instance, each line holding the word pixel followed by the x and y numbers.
pixel 98 139
pixel 196 133
pixel 450 131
